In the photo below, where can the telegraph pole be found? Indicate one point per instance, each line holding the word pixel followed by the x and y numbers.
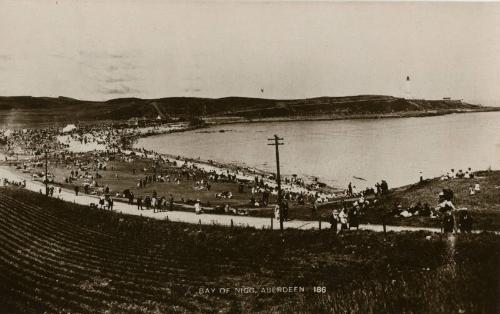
pixel 277 143
pixel 46 172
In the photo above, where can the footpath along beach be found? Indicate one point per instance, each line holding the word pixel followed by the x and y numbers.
pixel 191 217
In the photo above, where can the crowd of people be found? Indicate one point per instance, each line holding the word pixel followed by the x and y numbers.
pixel 85 169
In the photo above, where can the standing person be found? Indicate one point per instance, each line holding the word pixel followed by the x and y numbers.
pixel 171 202
pixel 139 203
pixel 465 221
pixel 76 190
pixel 277 212
pixel 353 218
pixel 154 202
pixel 343 220
pixel 384 186
pixel 349 189
pixel 197 207
pixel 314 208
pixel 334 219
pixel 265 197
pixel 285 210
pixel 448 222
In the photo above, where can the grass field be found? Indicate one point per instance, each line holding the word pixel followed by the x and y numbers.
pixel 64 258
pixel 484 206
pixel 119 177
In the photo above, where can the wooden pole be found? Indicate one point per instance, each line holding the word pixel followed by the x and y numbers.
pixel 278 180
pixel 276 143
pixel 46 173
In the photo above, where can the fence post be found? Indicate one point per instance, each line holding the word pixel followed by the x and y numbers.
pixel 319 223
pixel 231 223
pixel 199 222
pixel 271 223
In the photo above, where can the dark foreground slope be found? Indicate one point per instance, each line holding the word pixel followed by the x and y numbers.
pixel 59 257
pixel 28 111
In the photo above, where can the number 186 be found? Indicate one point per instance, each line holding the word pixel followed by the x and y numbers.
pixel 319 289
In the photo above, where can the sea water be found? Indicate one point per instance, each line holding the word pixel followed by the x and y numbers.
pixel 361 151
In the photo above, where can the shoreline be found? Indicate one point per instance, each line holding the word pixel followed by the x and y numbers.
pixel 222 120
pixel 232 166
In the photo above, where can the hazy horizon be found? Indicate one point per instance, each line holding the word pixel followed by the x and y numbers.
pixel 94 50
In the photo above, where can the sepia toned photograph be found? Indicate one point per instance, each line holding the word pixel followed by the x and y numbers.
pixel 249 156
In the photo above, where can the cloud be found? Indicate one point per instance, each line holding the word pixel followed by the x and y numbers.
pixel 5 57
pixel 125 66
pixel 118 79
pixel 121 89
pixel 117 56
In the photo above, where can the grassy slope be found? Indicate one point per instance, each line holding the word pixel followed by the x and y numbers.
pixel 93 261
pixel 484 207
pixel 39 110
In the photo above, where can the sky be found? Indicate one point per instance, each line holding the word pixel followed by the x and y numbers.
pixel 99 50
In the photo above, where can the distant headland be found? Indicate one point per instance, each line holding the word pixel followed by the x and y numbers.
pixel 40 111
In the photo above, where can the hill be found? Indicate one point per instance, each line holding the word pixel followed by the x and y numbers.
pixel 28 111
pixel 58 257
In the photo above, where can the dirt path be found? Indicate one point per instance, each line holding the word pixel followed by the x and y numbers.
pixel 191 217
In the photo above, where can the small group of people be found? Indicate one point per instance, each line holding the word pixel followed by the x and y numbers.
pixel 223 194
pixel 154 202
pixel 457 220
pixel 6 182
pixel 474 189
pixel 454 219
pixel 452 174
pixel 347 218
pixel 381 187
pixel 106 202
